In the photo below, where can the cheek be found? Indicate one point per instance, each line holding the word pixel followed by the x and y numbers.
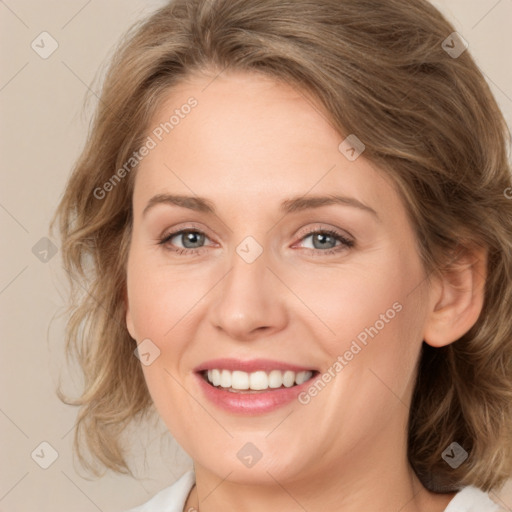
pixel 158 304
pixel 158 297
pixel 361 300
pixel 375 317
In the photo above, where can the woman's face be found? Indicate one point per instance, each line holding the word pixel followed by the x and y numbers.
pixel 266 270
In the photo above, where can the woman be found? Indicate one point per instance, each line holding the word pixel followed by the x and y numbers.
pixel 294 224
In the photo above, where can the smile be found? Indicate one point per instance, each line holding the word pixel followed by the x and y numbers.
pixel 238 381
pixel 252 387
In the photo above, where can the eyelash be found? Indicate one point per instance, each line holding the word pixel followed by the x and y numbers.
pixel 345 242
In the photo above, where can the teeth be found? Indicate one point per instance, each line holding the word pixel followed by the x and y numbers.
pixel 240 380
pixel 225 379
pixel 256 381
pixel 275 379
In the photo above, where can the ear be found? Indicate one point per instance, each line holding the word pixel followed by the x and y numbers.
pixel 456 297
pixel 128 316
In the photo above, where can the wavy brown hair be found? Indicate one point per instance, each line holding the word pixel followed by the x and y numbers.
pixel 428 120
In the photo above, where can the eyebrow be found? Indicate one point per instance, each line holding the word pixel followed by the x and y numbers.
pixel 295 204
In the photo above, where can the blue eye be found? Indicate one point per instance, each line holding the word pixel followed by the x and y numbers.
pixel 325 241
pixel 322 240
pixel 190 239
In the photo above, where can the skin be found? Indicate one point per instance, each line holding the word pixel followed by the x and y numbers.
pixel 248 145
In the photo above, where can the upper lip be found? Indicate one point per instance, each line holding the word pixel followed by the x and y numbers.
pixel 251 365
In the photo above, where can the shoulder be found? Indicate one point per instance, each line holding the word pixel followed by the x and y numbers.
pixel 170 499
pixel 472 499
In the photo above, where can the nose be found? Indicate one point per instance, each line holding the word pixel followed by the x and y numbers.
pixel 250 300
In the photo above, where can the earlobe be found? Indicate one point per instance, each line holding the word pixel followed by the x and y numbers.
pixel 128 317
pixel 129 324
pixel 457 298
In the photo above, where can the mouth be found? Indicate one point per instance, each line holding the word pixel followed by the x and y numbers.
pixel 260 381
pixel 253 386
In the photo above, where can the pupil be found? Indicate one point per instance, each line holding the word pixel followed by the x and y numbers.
pixel 194 238
pixel 322 238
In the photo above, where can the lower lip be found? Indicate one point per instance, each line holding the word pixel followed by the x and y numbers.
pixel 251 403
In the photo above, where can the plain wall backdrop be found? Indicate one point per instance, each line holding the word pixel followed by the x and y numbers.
pixel 43 127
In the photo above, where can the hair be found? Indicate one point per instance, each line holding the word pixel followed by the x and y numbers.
pixel 428 120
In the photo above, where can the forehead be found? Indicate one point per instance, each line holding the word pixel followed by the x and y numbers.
pixel 250 138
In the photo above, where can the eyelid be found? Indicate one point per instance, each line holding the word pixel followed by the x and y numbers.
pixel 303 232
pixel 345 242
pixel 319 227
pixel 185 226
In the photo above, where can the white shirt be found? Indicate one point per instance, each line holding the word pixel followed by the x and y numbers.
pixel 173 498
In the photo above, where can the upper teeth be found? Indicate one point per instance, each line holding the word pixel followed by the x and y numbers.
pixel 257 380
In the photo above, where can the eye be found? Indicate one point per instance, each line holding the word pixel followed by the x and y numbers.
pixel 327 241
pixel 191 240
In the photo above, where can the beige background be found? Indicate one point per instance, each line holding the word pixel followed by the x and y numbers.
pixel 43 126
